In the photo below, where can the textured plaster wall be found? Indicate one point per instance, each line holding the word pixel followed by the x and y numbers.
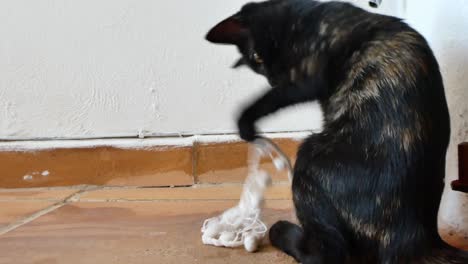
pixel 112 68
pixel 121 68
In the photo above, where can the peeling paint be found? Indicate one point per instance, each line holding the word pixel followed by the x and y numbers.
pixel 28 177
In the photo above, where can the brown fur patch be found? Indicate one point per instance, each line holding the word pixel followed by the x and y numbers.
pixel 407 139
pixel 293 75
pixel 323 28
pixel 309 65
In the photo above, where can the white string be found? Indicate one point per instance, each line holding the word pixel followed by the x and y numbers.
pixel 242 225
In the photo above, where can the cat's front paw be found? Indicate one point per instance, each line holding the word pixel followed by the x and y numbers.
pixel 246 130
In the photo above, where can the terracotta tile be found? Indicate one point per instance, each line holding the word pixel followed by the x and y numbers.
pixel 11 211
pixel 97 166
pixel 32 194
pixel 131 232
pixel 231 192
pixel 226 162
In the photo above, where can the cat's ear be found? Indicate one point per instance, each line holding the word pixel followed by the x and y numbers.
pixel 228 31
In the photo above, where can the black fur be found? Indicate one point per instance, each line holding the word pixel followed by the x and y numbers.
pixel 367 188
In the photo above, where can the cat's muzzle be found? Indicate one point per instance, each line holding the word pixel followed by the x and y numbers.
pixel 375 3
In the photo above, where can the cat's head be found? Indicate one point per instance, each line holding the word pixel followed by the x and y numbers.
pixel 257 31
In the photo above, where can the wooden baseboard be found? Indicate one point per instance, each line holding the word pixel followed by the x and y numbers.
pixel 168 165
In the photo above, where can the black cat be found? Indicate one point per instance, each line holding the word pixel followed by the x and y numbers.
pixel 367 189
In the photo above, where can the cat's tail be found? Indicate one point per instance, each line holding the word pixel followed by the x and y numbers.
pixel 446 254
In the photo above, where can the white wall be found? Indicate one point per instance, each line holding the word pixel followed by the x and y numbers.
pixel 117 68
pixel 112 68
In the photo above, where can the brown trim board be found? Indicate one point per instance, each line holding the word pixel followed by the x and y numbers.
pixel 217 162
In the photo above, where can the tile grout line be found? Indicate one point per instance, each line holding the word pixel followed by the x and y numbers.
pixel 26 199
pixel 110 187
pixel 131 200
pixel 28 219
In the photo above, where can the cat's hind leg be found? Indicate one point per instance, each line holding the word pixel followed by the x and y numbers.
pixel 321 237
pixel 306 247
pixel 288 237
pixel 318 241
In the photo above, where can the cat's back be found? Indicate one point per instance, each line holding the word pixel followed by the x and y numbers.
pixel 381 56
pixel 381 70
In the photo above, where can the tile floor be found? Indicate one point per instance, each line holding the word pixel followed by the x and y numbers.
pixel 147 225
pixel 125 225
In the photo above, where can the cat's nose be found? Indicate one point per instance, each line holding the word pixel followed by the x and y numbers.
pixel 273 83
pixel 375 3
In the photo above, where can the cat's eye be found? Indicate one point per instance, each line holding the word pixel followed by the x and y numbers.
pixel 257 58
